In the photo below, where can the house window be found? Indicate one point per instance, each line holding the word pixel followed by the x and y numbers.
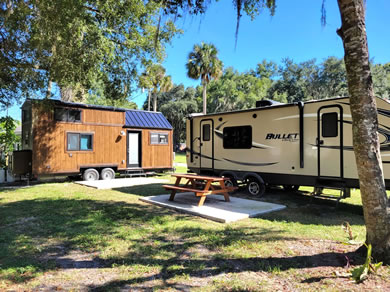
pixel 206 132
pixel 158 138
pixel 67 115
pixel 237 137
pixel 79 142
pixel 330 125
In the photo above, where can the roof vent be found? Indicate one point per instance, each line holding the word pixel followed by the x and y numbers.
pixel 266 102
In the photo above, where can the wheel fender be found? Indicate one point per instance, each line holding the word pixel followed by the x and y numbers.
pixel 229 174
pixel 255 175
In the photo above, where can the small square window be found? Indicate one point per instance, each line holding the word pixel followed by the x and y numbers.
pixel 163 139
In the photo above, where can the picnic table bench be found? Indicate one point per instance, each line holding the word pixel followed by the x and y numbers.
pixel 201 186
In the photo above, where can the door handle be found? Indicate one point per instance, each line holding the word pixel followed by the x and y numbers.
pixel 320 142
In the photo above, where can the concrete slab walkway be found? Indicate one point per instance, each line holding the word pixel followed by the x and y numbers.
pixel 121 182
pixel 215 207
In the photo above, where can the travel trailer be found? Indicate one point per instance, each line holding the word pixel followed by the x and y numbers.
pixel 300 144
pixel 65 138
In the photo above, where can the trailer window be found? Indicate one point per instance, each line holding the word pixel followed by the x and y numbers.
pixel 79 142
pixel 67 115
pixel 158 138
pixel 206 132
pixel 85 142
pixel 237 137
pixel 329 125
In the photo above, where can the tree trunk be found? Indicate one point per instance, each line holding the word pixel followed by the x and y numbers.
pixel 48 91
pixel 149 100
pixel 155 102
pixel 364 126
pixel 66 93
pixel 204 97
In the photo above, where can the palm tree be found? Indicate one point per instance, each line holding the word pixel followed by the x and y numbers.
pixel 203 63
pixel 154 79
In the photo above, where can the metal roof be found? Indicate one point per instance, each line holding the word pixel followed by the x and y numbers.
pixel 145 119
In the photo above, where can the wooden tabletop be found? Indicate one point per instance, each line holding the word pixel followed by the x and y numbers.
pixel 199 177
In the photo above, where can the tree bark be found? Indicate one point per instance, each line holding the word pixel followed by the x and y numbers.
pixel 204 94
pixel 48 91
pixel 364 126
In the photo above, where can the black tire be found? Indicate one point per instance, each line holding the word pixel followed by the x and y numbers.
pixel 254 187
pixel 291 188
pixel 231 182
pixel 90 174
pixel 107 174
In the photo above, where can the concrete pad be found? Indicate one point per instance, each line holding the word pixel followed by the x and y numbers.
pixel 120 182
pixel 215 208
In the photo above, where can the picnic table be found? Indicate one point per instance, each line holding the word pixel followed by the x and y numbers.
pixel 200 185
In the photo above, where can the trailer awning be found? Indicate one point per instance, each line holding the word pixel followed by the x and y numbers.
pixel 145 119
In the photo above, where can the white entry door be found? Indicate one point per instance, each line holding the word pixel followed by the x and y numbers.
pixel 133 151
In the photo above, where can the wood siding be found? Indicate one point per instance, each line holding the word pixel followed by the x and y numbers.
pixel 156 154
pixel 50 154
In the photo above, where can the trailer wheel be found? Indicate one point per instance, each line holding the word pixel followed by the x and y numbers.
pixel 90 174
pixel 107 174
pixel 231 182
pixel 255 187
pixel 291 188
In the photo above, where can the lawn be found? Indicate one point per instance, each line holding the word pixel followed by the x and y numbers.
pixel 66 236
pixel 180 157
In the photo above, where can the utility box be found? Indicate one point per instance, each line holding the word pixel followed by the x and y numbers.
pixel 21 162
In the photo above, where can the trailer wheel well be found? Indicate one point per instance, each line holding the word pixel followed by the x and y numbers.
pixel 253 175
pixel 98 168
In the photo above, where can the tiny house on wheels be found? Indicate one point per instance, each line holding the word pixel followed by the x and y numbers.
pixel 307 144
pixel 64 138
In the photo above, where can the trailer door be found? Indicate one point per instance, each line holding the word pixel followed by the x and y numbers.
pixel 207 144
pixel 330 142
pixel 133 149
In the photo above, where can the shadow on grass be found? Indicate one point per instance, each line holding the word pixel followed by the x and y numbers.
pixel 308 210
pixel 203 267
pixel 34 232
pixel 42 234
pixel 144 190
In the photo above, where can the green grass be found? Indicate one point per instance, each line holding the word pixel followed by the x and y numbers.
pixel 135 244
pixel 180 157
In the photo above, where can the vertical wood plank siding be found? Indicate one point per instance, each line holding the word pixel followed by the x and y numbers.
pixel 152 155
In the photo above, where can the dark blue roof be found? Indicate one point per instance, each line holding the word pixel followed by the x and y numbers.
pixel 145 119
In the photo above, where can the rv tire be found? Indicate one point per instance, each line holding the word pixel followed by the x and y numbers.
pixel 90 174
pixel 107 174
pixel 255 187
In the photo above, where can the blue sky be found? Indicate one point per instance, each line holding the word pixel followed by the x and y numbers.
pixel 295 31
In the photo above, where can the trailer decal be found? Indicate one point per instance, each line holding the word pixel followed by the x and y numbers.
pixel 251 164
pixel 201 155
pixel 383 112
